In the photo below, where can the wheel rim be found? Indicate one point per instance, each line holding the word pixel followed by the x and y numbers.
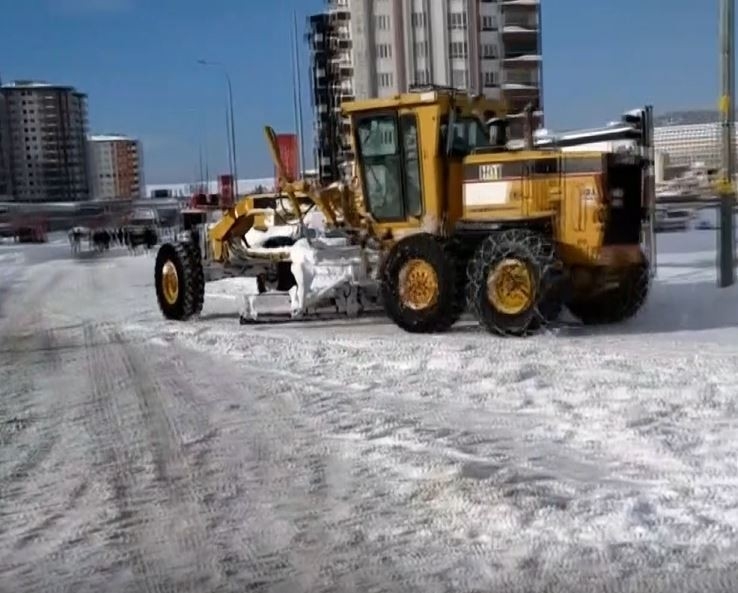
pixel 418 285
pixel 510 287
pixel 170 283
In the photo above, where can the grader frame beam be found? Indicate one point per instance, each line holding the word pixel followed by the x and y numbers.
pixel 336 203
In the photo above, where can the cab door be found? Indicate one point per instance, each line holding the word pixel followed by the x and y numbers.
pixel 388 159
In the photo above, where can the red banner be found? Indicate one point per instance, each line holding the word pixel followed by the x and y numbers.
pixel 225 189
pixel 287 146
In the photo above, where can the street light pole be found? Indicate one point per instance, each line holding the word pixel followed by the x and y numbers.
pixel 231 124
pixel 727 116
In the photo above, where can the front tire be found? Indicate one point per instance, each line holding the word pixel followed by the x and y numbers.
pixel 514 282
pixel 180 280
pixel 419 285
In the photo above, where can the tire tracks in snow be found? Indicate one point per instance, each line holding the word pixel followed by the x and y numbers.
pixel 183 479
pixel 30 351
pixel 126 391
pixel 105 423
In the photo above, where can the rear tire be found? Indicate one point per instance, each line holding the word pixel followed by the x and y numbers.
pixel 419 285
pixel 616 305
pixel 180 280
pixel 514 282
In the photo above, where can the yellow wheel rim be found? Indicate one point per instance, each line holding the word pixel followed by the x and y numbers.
pixel 170 283
pixel 418 285
pixel 510 287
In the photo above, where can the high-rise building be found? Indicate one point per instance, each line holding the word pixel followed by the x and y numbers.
pixel 47 126
pixel 5 189
pixel 116 167
pixel 382 47
pixel 332 83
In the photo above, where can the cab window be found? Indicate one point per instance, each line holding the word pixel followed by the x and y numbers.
pixel 411 162
pixel 388 149
pixel 469 134
pixel 380 152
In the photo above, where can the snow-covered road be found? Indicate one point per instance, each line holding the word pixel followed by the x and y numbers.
pixel 140 455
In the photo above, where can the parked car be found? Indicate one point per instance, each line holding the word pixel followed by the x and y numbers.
pixel 672 219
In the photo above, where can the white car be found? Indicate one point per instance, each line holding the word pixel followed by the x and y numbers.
pixel 672 219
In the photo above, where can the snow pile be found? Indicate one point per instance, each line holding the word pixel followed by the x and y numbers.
pixel 256 238
pixel 11 264
pixel 320 267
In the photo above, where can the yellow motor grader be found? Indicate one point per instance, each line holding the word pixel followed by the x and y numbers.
pixel 444 217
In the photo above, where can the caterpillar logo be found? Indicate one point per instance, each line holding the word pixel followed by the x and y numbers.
pixel 490 172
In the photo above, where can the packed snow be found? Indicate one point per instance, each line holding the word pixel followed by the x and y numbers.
pixel 143 455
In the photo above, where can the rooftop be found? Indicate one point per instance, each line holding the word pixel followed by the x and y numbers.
pixel 38 84
pixel 110 138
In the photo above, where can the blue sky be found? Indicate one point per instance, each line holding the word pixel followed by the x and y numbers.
pixel 136 59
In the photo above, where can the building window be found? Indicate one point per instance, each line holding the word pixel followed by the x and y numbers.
pixel 458 79
pixel 422 77
pixel 385 79
pixel 458 49
pixel 384 50
pixel 457 20
pixel 418 19
pixel 489 51
pixel 421 49
pixel 489 23
pixel 491 79
pixel 383 22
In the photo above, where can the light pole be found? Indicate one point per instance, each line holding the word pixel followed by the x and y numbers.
pixel 727 116
pixel 202 142
pixel 231 124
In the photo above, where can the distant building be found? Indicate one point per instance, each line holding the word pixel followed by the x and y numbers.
pixel 331 84
pixel 116 167
pixel 5 187
pixel 187 190
pixel 690 144
pixel 47 127
pixel 685 117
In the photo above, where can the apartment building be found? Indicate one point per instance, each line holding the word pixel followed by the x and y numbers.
pixel 47 127
pixel 5 188
pixel 383 47
pixel 116 167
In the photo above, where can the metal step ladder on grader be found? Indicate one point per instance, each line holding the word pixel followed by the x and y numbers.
pixel 444 216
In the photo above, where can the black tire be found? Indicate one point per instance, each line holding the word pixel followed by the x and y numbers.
pixel 445 309
pixel 285 278
pixel 537 252
pixel 185 257
pixel 618 304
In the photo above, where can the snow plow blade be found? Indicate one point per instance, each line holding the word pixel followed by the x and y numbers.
pixel 274 308
pixel 332 280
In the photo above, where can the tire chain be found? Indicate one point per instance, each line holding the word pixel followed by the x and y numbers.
pixel 537 247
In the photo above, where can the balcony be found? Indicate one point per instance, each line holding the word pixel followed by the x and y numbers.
pixel 339 12
pixel 517 101
pixel 519 25
pixel 339 44
pixel 522 56
pixel 520 80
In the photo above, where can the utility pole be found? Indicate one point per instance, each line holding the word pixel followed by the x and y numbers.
pixel 726 247
pixel 230 124
pixel 298 93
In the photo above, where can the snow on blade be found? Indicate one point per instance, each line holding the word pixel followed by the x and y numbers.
pixel 322 266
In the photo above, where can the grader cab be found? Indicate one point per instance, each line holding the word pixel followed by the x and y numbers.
pixel 443 217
